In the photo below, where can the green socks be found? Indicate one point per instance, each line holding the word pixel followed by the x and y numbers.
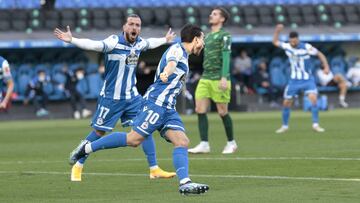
pixel 228 127
pixel 203 125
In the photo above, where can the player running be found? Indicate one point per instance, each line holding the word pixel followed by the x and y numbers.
pixel 5 78
pixel 119 98
pixel 158 111
pixel 301 77
pixel 214 83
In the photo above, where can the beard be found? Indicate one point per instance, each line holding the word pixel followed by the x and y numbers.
pixel 130 37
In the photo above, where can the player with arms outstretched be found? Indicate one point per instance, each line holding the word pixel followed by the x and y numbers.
pixel 301 77
pixel 119 98
pixel 158 111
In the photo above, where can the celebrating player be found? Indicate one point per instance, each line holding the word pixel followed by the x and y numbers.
pixel 214 83
pixel 5 77
pixel 158 111
pixel 119 98
pixel 301 78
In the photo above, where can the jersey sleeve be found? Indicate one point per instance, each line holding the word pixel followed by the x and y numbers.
pixel 110 43
pixel 175 53
pixel 6 70
pixel 144 44
pixel 226 42
pixel 284 45
pixel 311 50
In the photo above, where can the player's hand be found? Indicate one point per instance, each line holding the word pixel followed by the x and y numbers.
pixel 3 105
pixel 223 85
pixel 279 27
pixel 164 76
pixel 64 36
pixel 170 36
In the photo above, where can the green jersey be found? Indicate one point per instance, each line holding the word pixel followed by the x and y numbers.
pixel 217 55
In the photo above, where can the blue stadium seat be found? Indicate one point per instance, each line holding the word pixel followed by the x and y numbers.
pixel 83 87
pixel 278 77
pixel 21 83
pixel 338 65
pixel 95 84
pixel 27 4
pixel 7 4
pixel 25 69
pixel 276 62
pixel 92 68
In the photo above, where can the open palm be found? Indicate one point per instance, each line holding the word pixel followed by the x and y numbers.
pixel 64 36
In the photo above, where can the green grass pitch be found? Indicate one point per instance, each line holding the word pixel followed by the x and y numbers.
pixel 299 166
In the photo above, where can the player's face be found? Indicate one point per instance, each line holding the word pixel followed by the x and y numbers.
pixel 294 41
pixel 215 17
pixel 198 44
pixel 132 28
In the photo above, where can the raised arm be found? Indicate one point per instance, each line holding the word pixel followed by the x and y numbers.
pixel 278 29
pixel 324 62
pixel 87 44
pixel 156 42
pixel 168 70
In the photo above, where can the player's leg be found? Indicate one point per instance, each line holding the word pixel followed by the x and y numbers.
pixel 181 163
pixel 104 120
pixel 315 112
pixel 289 93
pixel 341 82
pixel 202 103
pixel 231 146
pixel 148 145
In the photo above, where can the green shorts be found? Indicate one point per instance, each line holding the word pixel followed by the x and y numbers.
pixel 210 89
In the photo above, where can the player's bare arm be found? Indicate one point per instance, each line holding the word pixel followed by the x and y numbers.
pixel 324 62
pixel 86 44
pixel 278 29
pixel 168 70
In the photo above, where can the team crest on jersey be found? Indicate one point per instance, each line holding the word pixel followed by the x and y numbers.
pixel 132 58
pixel 145 125
pixel 99 121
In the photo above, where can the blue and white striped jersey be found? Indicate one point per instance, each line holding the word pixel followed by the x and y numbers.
pixel 121 59
pixel 299 58
pixel 164 94
pixel 5 74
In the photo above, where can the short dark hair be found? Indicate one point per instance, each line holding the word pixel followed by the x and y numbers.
pixel 224 13
pixel 189 32
pixel 293 34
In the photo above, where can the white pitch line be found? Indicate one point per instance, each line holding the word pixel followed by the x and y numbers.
pixel 192 175
pixel 195 159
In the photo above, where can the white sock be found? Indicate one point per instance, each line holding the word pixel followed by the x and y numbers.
pixel 285 126
pixel 315 125
pixel 88 149
pixel 154 167
pixel 204 143
pixel 342 98
pixel 184 180
pixel 79 164
pixel 232 142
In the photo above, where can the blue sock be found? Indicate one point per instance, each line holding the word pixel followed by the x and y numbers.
pixel 113 140
pixel 92 136
pixel 315 113
pixel 181 162
pixel 148 146
pixel 285 116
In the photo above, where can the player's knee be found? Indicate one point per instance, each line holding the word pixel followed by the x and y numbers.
pixel 199 110
pixel 183 142
pixel 222 113
pixel 133 139
pixel 100 132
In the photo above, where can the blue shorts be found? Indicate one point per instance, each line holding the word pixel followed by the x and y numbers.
pixel 296 86
pixel 109 111
pixel 153 117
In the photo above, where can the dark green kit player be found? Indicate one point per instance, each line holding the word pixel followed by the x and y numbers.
pixel 214 83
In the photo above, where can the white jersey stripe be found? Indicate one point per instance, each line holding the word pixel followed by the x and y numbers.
pixel 128 83
pixel 119 79
pixel 161 99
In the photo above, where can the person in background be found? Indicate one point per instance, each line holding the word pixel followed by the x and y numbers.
pixel 7 80
pixel 338 80
pixel 77 100
pixel 36 92
pixel 262 79
pixel 353 74
pixel 242 69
